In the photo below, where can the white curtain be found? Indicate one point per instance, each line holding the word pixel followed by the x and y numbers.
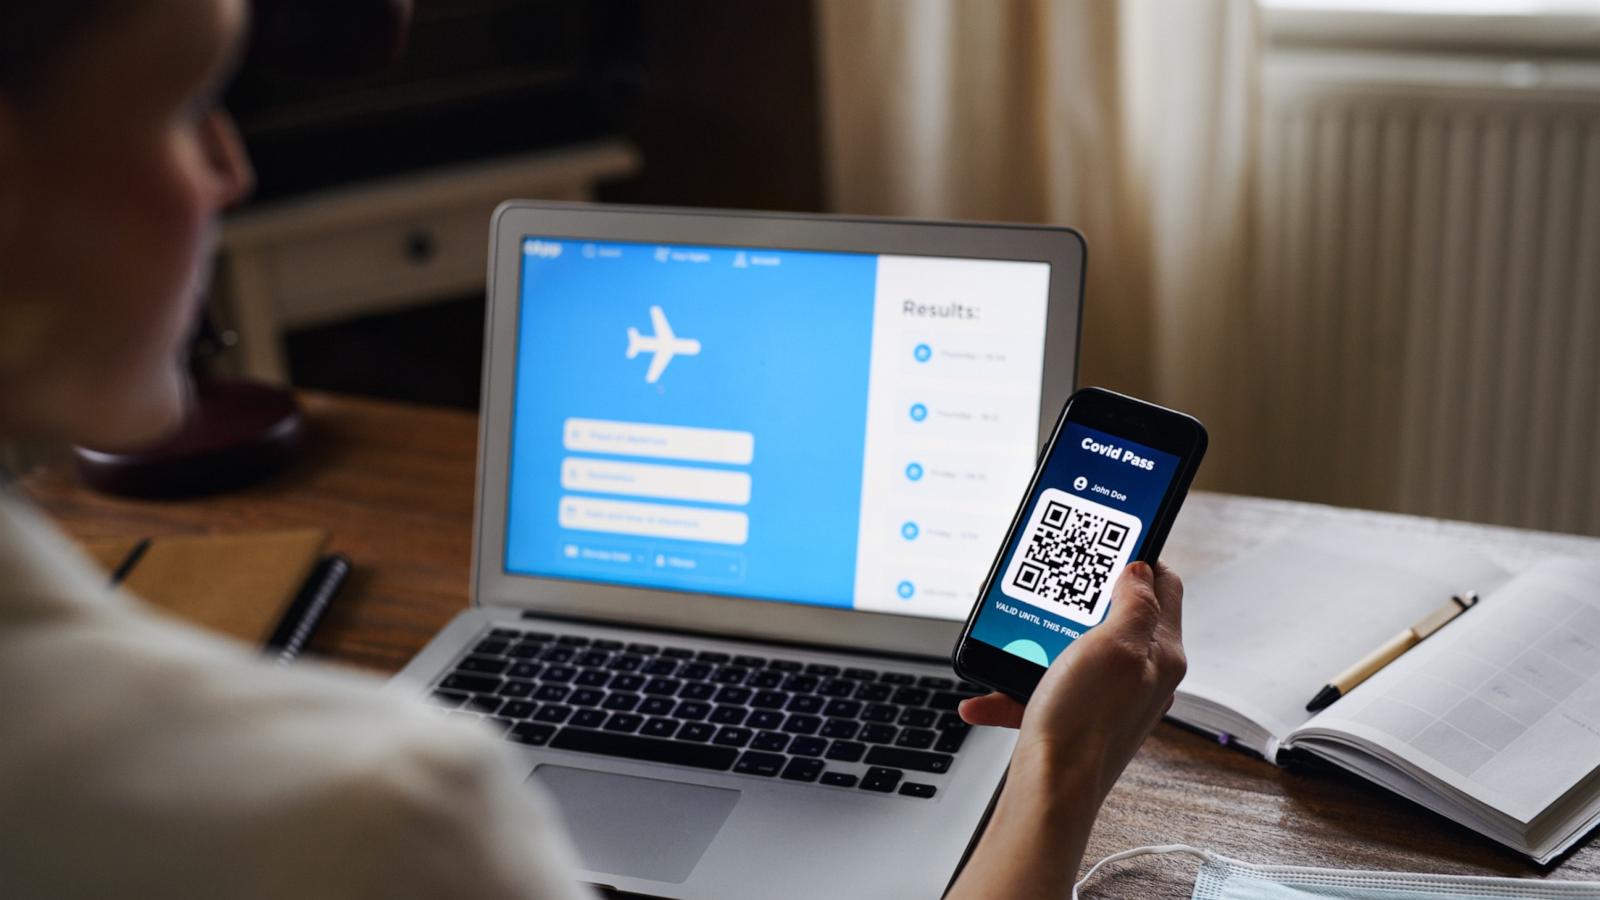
pixel 1131 120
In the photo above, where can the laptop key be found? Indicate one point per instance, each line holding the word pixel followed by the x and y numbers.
pixel 880 712
pixel 842 709
pixel 881 779
pixel 693 710
pixel 915 738
pixel 798 724
pixel 730 736
pixel 659 727
pixel 678 653
pixel 592 678
pixel 874 692
pixel 800 684
pixel 480 684
pixel 661 666
pixel 915 789
pixel 447 699
pixel 822 669
pixel 697 690
pixel 621 702
pixel 728 715
pixel 518 709
pixel 838 779
pixel 644 649
pixel 586 697
pixel 702 756
pixel 552 712
pixel 945 700
pixel 900 758
pixel 860 674
pixel 483 703
pixel 738 695
pixel 784 665
pixel 808 746
pixel 626 682
pixel 517 689
pixel 935 682
pixel 558 655
pixel 712 656
pixel 878 734
pixel 804 703
pixel 951 739
pixel 534 734
pixel 846 751
pixel 525 650
pixel 603 644
pixel 491 647
pixel 918 718
pixel 626 662
pixel 588 718
pixel 766 678
pixel 755 763
pixel 663 687
pixel 592 659
pixel 769 699
pixel 622 721
pixel 772 741
pixel 801 769
pixel 505 633
pixel 656 706
pixel 559 673
pixel 837 687
pixel 749 662
pixel 840 728
pixel 909 696
pixel 552 692
pixel 573 640
pixel 764 719
pixel 897 678
pixel 699 732
pixel 730 675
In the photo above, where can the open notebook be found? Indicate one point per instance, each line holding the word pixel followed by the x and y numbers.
pixel 1493 722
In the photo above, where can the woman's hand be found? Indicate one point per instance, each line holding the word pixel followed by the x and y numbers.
pixel 1092 710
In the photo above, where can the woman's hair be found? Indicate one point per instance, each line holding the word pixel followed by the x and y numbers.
pixel 33 31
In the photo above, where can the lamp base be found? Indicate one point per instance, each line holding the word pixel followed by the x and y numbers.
pixel 238 433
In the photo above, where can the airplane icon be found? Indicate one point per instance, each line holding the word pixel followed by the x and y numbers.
pixel 664 344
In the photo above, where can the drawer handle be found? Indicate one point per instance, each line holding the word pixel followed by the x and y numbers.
pixel 420 247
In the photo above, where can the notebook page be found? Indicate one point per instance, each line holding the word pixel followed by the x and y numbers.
pixel 1266 631
pixel 1503 704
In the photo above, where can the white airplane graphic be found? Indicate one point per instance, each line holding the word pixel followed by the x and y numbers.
pixel 663 344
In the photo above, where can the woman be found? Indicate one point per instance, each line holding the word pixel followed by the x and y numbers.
pixel 140 758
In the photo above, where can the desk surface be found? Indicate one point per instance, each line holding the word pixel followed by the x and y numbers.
pixel 395 484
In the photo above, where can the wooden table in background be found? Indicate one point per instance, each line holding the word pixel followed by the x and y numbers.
pixel 395 484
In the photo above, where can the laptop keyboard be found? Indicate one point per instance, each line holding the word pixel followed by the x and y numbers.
pixel 753 715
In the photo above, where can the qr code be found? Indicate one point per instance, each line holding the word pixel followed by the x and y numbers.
pixel 1071 552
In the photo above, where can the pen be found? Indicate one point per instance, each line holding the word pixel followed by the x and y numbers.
pixel 1345 681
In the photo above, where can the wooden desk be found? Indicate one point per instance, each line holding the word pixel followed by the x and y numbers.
pixel 395 484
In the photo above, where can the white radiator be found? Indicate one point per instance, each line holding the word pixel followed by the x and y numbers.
pixel 1426 329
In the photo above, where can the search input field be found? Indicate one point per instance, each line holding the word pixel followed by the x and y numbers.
pixel 712 445
pixel 602 476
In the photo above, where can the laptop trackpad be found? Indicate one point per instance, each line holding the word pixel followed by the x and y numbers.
pixel 641 827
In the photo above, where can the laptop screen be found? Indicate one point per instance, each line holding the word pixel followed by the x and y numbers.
pixel 841 429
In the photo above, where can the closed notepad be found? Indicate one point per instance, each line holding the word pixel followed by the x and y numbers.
pixel 241 585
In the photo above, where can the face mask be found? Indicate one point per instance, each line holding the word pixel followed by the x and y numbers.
pixel 1221 878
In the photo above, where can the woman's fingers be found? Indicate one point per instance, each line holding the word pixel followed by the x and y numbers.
pixel 992 709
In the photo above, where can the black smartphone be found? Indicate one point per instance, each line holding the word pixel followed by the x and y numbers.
pixel 1106 492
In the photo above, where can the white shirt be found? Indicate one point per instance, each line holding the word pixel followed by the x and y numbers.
pixel 140 757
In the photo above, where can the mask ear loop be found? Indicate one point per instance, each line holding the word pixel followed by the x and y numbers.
pixel 1156 850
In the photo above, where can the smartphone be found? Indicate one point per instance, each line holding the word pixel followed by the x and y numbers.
pixel 1106 492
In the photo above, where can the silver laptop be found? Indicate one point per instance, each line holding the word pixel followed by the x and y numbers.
pixel 740 477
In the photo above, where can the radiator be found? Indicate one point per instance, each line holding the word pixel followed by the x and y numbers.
pixel 1425 329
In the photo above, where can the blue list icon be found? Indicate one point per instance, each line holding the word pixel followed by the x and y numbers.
pixel 906 590
pixel 909 531
pixel 914 472
pixel 923 353
pixel 918 412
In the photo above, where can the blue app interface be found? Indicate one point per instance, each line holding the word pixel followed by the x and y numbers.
pixel 1085 521
pixel 816 427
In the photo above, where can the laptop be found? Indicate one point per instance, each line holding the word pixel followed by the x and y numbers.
pixel 740 477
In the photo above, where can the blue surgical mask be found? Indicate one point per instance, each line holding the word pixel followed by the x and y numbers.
pixel 1221 878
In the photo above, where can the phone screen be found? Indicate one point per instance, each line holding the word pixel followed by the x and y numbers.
pixel 1086 519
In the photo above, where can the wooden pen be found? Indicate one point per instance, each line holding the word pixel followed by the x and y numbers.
pixel 1391 649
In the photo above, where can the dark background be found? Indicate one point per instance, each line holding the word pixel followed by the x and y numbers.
pixel 720 100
